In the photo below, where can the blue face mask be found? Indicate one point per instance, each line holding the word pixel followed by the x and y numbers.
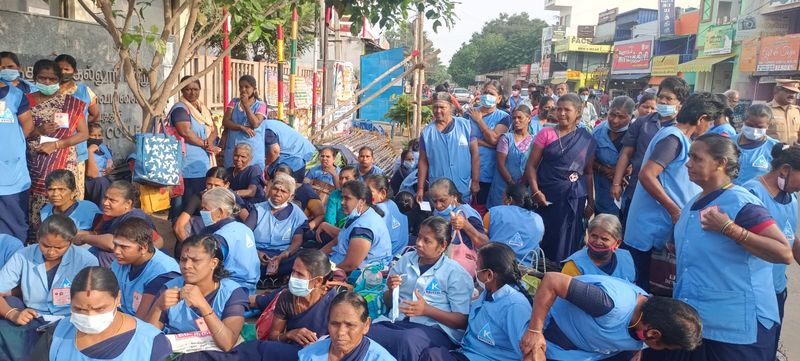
pixel 665 110
pixel 445 212
pixel 620 130
pixel 299 287
pixel 488 100
pixel 207 219
pixel 408 164
pixel 9 74
pixel 47 89
pixel 584 97
pixel 354 213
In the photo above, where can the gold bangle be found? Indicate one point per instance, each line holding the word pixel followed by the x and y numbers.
pixel 9 311
pixel 725 226
pixel 535 331
pixel 537 193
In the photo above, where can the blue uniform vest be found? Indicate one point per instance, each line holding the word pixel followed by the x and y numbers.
pixel 132 290
pixel 649 225
pixel 607 154
pixel 181 316
pixel 26 269
pixel 625 268
pixel 242 258
pixel 495 327
pixel 101 159
pixel 596 338
pixel 729 287
pixel 83 215
pixel 449 154
pixel 15 177
pixel 318 351
pixel 722 129
pixel 274 235
pixel 235 136
pixel 754 162
pixel 516 161
pixel 82 93
pixel 316 173
pixel 196 162
pixel 519 228
pixel 785 216
pixel 381 249
pixel 396 223
pixel 488 155
pixel 31 87
pixel 296 150
pixel 139 348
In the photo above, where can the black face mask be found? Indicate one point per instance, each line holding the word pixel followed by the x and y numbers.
pixel 96 142
pixel 67 77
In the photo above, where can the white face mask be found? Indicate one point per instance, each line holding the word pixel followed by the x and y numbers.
pixel 753 133
pixel 277 206
pixel 92 324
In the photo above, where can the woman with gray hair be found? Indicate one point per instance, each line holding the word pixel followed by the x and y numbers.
pixel 608 136
pixel 602 255
pixel 278 226
pixel 755 146
pixel 246 180
pixel 235 239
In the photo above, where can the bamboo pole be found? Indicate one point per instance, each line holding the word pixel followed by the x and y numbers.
pixel 415 100
pixel 420 72
pixel 280 73
pixel 293 69
pixel 372 97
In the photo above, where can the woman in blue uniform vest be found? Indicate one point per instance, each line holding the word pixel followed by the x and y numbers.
pixel 237 243
pixel 43 272
pixel 61 193
pixel 446 148
pixel 608 136
pixel 489 124
pixel 285 145
pixel 307 198
pixel 513 149
pixel 203 299
pixel 140 268
pixel 515 223
pixel 91 110
pixel 407 166
pixel 244 123
pixel 559 172
pixel 776 190
pixel 11 74
pixel 96 330
pixel 727 228
pixel 366 163
pixel 99 165
pixel 120 203
pixel 754 144
pixel 193 122
pixel 16 124
pixel 364 239
pixel 495 326
pixel 8 246
pixel 189 221
pixel 721 125
pixel 348 325
pixel 435 293
pixel 594 317
pixel 664 187
pixel 396 222
pixel 447 203
pixel 326 172
pixel 246 180
pixel 602 255
pixel 278 227
pixel 300 317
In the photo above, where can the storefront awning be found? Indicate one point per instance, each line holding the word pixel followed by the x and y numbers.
pixel 656 80
pixel 703 64
pixel 556 81
pixel 628 76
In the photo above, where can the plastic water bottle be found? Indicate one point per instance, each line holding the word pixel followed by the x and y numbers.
pixel 372 277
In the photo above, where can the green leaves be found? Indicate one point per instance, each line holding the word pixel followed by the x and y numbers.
pixel 503 43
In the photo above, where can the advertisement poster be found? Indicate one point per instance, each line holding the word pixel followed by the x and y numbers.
pixel 632 56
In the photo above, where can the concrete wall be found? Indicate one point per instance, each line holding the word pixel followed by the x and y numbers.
pixel 37 37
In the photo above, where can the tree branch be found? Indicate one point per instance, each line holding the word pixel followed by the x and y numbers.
pixel 91 13
pixel 129 16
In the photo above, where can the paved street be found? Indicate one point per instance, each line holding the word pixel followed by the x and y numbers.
pixel 791 322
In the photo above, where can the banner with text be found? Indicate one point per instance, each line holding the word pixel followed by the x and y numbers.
pixel 632 56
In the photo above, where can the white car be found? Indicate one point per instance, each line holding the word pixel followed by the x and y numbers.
pixel 462 95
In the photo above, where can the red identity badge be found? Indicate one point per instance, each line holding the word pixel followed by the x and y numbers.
pixel 201 324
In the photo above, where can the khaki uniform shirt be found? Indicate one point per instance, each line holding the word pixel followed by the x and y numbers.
pixel 786 123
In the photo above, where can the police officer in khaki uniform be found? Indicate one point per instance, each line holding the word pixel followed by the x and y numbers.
pixel 786 125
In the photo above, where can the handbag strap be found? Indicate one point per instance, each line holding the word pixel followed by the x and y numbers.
pixel 456 233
